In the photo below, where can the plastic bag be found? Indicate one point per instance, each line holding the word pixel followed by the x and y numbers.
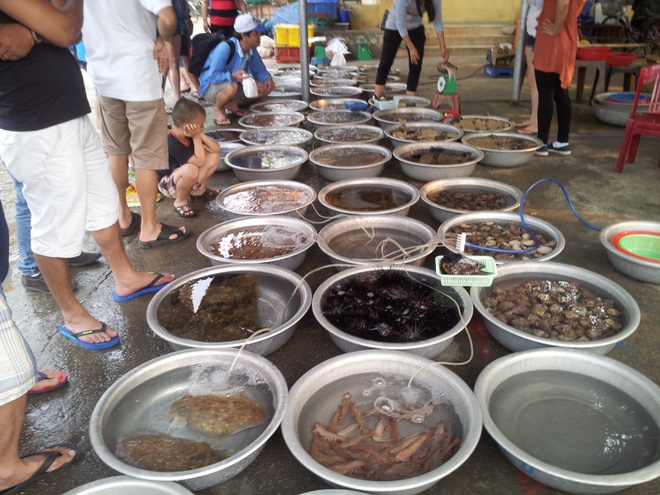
pixel 250 89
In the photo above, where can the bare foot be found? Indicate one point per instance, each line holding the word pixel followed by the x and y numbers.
pixel 526 123
pixel 29 465
pixel 530 129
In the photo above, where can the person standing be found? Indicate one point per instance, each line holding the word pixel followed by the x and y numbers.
pixel 404 22
pixel 219 15
pixel 531 22
pixel 129 47
pixel 554 64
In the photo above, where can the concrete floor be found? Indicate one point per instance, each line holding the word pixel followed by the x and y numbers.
pixel 600 195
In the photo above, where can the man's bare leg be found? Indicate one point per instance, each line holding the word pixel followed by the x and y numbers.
pixel 222 101
pixel 119 169
pixel 146 184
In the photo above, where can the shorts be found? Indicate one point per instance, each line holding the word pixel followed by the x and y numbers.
pixel 214 89
pixel 139 127
pixel 186 46
pixel 18 367
pixel 66 182
pixel 530 42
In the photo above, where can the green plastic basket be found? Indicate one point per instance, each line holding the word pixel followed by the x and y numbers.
pixel 639 244
pixel 483 280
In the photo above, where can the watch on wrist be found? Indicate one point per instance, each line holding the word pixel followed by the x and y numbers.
pixel 38 39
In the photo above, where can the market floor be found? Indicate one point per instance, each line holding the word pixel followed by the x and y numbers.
pixel 600 195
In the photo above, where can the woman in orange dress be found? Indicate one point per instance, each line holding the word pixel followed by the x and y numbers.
pixel 554 64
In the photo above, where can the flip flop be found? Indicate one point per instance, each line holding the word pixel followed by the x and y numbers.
pixel 152 286
pixel 134 226
pixel 209 193
pixel 41 473
pixel 185 211
pixel 164 237
pixel 61 381
pixel 87 345
pixel 221 121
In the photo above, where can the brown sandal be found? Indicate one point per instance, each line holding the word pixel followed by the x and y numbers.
pixel 185 211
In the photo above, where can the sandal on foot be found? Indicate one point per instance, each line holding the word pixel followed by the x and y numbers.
pixel 88 345
pixel 164 237
pixel 42 376
pixel 152 286
pixel 185 211
pixel 209 193
pixel 42 471
pixel 135 225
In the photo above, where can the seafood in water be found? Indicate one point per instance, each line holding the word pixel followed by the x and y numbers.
pixel 212 413
pixel 457 264
pixel 469 200
pixel 371 447
pixel 164 453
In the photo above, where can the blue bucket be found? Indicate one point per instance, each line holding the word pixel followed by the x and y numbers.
pixel 344 16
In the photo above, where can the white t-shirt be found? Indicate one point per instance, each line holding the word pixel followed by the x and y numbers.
pixel 119 36
pixel 535 7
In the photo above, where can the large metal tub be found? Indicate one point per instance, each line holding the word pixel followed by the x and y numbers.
pixel 388 118
pixel 138 401
pixel 128 485
pixel 615 113
pixel 349 134
pixel 353 170
pixel 504 158
pixel 271 119
pixel 275 162
pixel 452 133
pixel 337 117
pixel 646 271
pixel 427 172
pixel 279 105
pixel 481 123
pixel 277 136
pixel 266 197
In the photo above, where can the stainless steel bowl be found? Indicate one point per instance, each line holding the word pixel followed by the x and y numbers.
pixel 333 104
pixel 504 158
pixel 128 485
pixel 337 117
pixel 615 113
pixel 503 218
pixel 286 91
pixel 584 425
pixel 349 171
pixel 225 149
pixel 426 348
pixel 223 136
pixel 139 400
pixel 276 162
pixel 349 372
pixel 391 88
pixel 453 133
pixel 646 271
pixel 407 195
pixel 513 274
pixel 362 240
pixel 322 82
pixel 321 92
pixel 271 119
pixel 441 213
pixel 266 197
pixel 284 298
pixel 269 231
pixel 279 105
pixel 387 118
pixel 427 172
pixel 492 123
pixel 413 101
pixel 281 136
pixel 349 134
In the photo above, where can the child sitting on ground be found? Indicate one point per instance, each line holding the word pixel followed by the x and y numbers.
pixel 193 158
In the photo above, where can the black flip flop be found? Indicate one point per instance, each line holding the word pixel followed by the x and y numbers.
pixel 134 226
pixel 164 237
pixel 41 473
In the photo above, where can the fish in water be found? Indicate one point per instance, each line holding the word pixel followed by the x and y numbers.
pixel 457 264
pixel 212 413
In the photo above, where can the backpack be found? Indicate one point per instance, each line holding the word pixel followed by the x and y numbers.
pixel 202 45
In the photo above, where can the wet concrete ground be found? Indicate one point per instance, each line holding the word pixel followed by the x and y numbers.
pixel 600 195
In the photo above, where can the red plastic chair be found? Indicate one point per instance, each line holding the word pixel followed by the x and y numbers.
pixel 641 124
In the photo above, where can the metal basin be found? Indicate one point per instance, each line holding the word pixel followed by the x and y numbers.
pixel 225 149
pixel 262 198
pixel 391 88
pixel 413 101
pixel 324 82
pixel 615 113
pixel 278 105
pixel 504 158
pixel 271 119
pixel 606 414
pixel 338 117
pixel 441 213
pixel 325 384
pixel 256 235
pixel 139 400
pixel 286 91
pixel 387 118
pixel 275 162
pixel 349 134
pixel 342 161
pixel 128 485
pixel 646 271
pixel 367 240
pixel 351 197
pixel 513 274
pixel 333 104
pixel 281 136
pixel 425 131
pixel 283 299
pixel 481 123
pixel 537 226
pixel 426 172
pixel 223 136
pixel 336 92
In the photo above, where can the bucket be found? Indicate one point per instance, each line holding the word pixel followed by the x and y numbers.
pixel 344 16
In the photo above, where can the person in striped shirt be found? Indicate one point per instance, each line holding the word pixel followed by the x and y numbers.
pixel 219 15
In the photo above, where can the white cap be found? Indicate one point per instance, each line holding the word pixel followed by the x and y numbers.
pixel 245 23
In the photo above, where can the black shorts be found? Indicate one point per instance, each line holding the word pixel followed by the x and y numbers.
pixel 186 46
pixel 530 42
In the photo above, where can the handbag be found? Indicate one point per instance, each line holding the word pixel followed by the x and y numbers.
pixel 382 23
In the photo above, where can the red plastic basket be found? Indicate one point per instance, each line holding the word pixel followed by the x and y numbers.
pixel 620 59
pixel 592 52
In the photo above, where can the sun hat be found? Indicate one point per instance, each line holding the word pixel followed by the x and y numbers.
pixel 245 23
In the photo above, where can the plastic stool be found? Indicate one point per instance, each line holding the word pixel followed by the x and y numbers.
pixel 452 102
